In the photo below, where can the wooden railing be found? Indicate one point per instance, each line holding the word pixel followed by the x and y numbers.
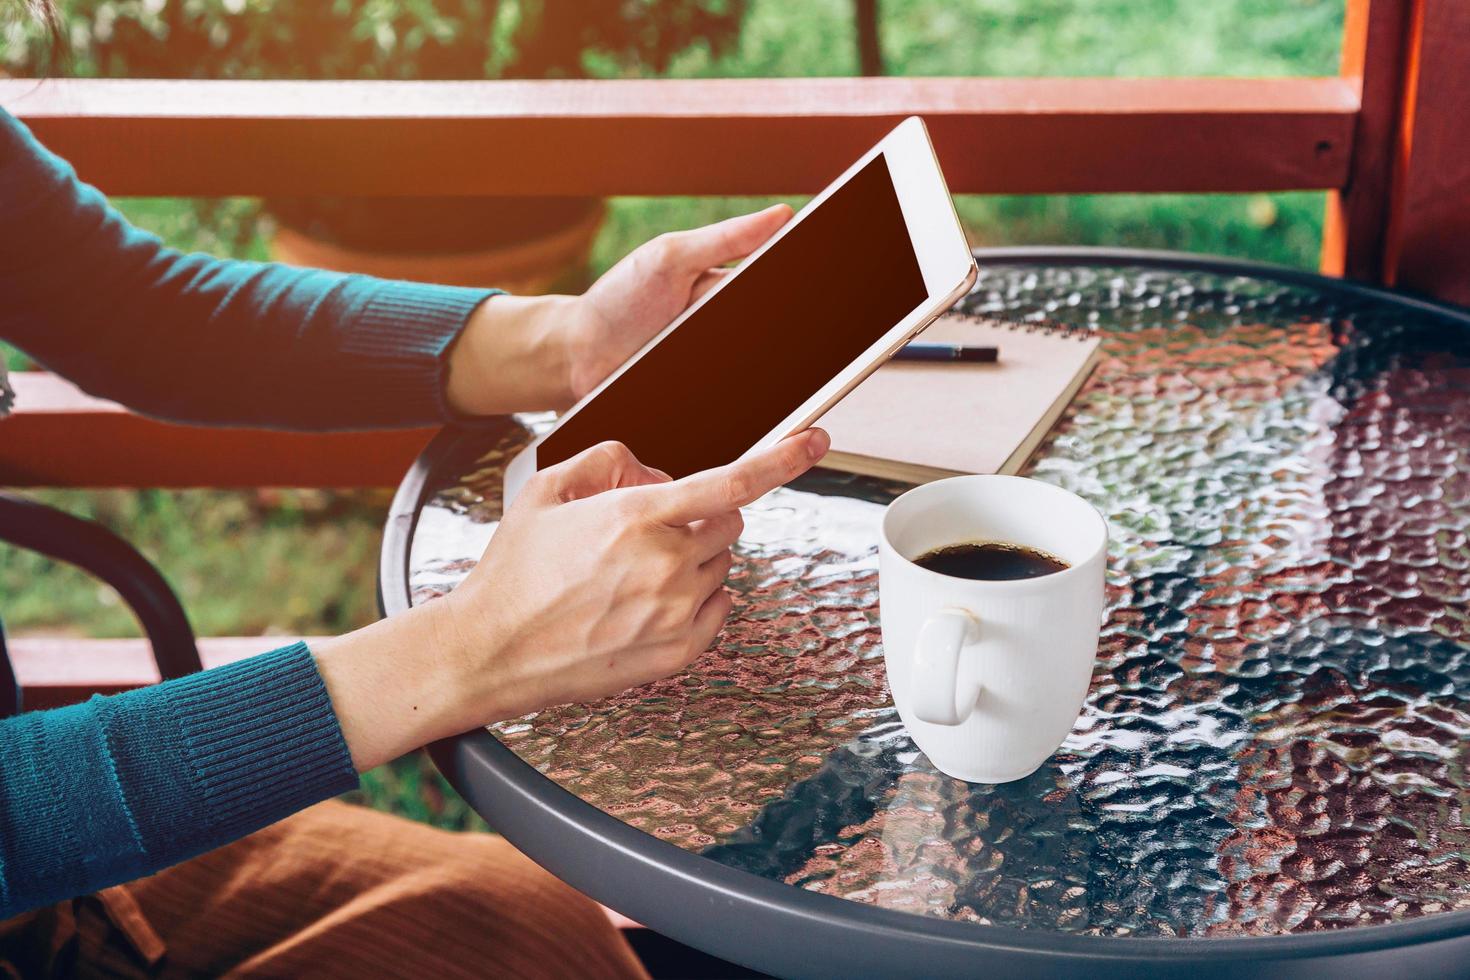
pixel 719 136
pixel 60 437
pixel 1387 137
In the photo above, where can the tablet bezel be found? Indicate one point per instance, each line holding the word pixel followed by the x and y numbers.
pixel 939 244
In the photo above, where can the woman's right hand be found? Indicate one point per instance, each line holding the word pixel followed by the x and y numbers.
pixel 603 575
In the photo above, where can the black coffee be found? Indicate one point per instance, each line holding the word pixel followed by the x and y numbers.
pixel 991 561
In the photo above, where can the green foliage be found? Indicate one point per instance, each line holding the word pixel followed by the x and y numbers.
pixel 244 563
pixel 1118 38
pixel 392 39
pixel 1109 38
pixel 411 787
pixel 1043 37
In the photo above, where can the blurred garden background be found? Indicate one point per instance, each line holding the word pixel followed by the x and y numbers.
pixel 301 562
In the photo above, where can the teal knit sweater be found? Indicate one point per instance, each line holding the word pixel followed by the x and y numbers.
pixel 119 787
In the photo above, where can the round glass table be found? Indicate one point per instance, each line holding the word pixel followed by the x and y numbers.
pixel 1270 772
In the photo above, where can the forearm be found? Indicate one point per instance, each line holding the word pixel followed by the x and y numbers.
pixel 514 356
pixel 586 589
pixel 200 339
pixel 406 681
pixel 119 787
pixel 385 684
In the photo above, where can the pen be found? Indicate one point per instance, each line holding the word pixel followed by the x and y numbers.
pixel 921 351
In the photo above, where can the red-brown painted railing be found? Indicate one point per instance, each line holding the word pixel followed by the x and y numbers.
pixel 134 137
pixel 1387 137
pixel 56 671
pixel 1403 217
pixel 60 437
pixel 1428 233
pixel 716 136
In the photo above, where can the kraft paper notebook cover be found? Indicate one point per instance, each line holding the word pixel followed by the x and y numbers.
pixel 918 421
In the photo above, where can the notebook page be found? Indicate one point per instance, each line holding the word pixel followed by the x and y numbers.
pixel 961 418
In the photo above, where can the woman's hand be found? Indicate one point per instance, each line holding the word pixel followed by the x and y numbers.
pixel 523 353
pixel 607 576
pixel 603 575
pixel 652 285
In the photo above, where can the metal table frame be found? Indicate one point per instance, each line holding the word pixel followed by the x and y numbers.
pixel 777 928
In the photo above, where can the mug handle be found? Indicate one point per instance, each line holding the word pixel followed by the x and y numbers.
pixel 936 667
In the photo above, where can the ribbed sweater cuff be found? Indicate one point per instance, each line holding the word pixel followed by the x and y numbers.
pixel 404 333
pixel 259 740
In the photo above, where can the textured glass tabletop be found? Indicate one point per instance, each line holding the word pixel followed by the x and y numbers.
pixel 1275 738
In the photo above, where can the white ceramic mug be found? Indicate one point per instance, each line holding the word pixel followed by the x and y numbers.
pixel 989 676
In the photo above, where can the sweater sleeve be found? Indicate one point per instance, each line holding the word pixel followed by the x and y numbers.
pixel 118 787
pixel 199 339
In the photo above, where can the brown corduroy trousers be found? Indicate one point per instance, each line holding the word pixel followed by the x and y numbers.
pixel 334 891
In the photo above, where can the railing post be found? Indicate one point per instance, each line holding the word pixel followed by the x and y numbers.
pixel 869 40
pixel 1428 247
pixel 1403 217
pixel 1374 45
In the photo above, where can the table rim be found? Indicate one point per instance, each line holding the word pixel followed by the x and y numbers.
pixel 574 839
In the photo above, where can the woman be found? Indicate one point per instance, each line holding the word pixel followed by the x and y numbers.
pixel 603 575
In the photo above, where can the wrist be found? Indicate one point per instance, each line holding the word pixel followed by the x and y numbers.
pixel 467 644
pixel 396 685
pixel 515 354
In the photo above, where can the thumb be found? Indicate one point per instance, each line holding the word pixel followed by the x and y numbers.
pixel 707 280
pixel 729 240
pixel 725 488
pixel 605 466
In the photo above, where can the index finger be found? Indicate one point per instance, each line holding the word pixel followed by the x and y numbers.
pixel 605 466
pixel 726 488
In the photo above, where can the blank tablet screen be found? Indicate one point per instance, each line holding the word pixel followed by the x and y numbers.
pixel 770 339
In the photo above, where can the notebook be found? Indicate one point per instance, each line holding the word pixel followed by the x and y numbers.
pixel 918 421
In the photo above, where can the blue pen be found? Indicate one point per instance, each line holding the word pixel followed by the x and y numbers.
pixel 923 351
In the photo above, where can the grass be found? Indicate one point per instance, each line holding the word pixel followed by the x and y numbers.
pixel 265 562
pixel 289 562
pixel 1242 38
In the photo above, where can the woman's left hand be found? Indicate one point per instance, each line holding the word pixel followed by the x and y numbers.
pixel 524 353
pixel 652 285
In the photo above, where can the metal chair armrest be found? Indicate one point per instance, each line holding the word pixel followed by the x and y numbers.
pixel 96 550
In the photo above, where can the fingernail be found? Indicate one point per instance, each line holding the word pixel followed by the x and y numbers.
pixel 817 444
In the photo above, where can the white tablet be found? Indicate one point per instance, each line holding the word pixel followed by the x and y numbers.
pixel 865 266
